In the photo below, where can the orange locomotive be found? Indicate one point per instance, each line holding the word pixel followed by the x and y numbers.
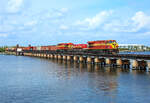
pixel 80 46
pixel 103 46
pixel 65 46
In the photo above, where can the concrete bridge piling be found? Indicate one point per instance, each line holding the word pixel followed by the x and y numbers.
pixel 121 62
pixel 55 56
pixel 76 58
pixel 64 57
pixel 69 58
pixel 59 57
pixel 111 62
pixel 139 65
pixel 148 66
pixel 81 59
pixel 51 56
pixel 89 60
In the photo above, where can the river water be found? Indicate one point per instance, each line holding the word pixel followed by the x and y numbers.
pixel 35 80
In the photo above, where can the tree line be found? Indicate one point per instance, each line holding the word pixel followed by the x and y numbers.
pixel 2 49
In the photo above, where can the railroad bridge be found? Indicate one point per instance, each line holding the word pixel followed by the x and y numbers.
pixel 134 61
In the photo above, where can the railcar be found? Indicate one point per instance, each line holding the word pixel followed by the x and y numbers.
pixel 52 47
pixel 29 48
pixel 80 46
pixel 48 49
pixel 65 46
pixel 43 48
pixel 26 48
pixel 103 46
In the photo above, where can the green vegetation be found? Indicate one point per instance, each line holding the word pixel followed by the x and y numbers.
pixel 2 49
pixel 148 48
pixel 123 49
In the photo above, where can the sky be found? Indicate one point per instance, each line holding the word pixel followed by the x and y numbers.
pixel 49 22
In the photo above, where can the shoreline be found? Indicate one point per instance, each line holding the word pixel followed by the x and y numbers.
pixel 133 51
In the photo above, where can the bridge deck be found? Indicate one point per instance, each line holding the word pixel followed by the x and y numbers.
pixel 126 56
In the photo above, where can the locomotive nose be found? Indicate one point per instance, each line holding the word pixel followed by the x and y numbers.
pixel 114 45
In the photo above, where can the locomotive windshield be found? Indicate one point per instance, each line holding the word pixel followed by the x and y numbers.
pixel 112 41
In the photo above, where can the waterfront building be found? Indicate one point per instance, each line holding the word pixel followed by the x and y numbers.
pixel 135 47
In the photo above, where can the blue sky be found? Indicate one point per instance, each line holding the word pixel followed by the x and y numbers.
pixel 46 22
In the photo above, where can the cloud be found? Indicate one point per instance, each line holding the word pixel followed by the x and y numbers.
pixel 3 35
pixel 6 28
pixel 147 34
pixel 95 21
pixel 64 10
pixel 14 6
pixel 63 27
pixel 30 23
pixel 105 21
pixel 139 22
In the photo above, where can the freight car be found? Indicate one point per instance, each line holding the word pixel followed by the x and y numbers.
pixel 45 49
pixel 71 48
pixel 29 48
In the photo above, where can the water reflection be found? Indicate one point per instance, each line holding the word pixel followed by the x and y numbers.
pixel 139 72
pixel 103 84
pixel 82 67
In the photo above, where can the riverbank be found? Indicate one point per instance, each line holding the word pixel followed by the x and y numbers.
pixel 2 53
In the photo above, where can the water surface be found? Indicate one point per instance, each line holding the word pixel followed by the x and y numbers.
pixel 139 53
pixel 35 80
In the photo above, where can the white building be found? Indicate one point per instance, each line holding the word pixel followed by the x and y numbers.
pixel 133 46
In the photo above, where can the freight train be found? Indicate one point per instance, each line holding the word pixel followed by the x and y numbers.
pixel 96 47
